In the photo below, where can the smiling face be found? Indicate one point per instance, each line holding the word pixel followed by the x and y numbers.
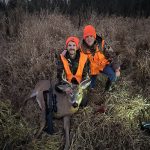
pixel 71 47
pixel 89 40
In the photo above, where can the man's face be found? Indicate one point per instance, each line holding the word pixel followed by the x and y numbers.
pixel 89 40
pixel 72 48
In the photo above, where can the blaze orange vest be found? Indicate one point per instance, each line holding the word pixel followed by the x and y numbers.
pixel 78 76
pixel 98 61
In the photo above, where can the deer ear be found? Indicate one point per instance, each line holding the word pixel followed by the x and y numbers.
pixel 64 87
pixel 85 84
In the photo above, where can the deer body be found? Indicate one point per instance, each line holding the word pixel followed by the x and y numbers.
pixel 64 107
pixel 64 104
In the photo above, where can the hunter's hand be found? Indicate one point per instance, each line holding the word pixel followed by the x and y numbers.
pixel 117 71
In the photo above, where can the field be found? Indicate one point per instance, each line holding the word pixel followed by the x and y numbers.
pixel 30 56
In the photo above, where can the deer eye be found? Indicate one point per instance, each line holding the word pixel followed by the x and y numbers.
pixel 79 93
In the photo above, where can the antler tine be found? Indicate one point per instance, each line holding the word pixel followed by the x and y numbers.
pixel 87 78
pixel 65 80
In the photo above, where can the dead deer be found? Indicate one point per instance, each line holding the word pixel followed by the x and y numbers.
pixel 65 103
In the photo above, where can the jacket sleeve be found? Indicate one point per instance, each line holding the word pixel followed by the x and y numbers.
pixel 111 56
pixel 60 69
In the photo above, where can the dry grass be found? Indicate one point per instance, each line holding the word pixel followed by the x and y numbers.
pixel 14 129
pixel 30 57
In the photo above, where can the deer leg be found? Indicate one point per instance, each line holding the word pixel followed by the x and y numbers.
pixel 31 95
pixel 67 128
pixel 42 124
pixel 40 99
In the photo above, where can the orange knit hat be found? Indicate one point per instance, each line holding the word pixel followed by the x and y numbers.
pixel 73 39
pixel 89 30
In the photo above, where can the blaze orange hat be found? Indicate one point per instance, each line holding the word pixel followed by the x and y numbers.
pixel 73 39
pixel 89 30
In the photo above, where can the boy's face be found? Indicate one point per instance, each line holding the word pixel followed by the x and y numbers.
pixel 89 40
pixel 71 48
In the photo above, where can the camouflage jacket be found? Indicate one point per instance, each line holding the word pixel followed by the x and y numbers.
pixel 108 52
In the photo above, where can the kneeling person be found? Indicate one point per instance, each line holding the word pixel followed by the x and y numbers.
pixel 73 62
pixel 100 61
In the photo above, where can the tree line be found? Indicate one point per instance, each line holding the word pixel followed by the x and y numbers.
pixel 132 8
pixel 13 10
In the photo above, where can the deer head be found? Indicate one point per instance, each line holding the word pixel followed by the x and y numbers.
pixel 74 91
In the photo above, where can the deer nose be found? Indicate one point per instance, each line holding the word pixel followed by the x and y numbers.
pixel 75 104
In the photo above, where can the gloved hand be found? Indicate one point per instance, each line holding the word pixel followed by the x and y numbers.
pixel 117 71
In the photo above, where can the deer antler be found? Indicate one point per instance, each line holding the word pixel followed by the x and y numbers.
pixel 65 80
pixel 87 79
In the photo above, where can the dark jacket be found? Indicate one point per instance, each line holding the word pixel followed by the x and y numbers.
pixel 73 67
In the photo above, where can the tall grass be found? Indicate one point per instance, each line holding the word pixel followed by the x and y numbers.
pixel 30 57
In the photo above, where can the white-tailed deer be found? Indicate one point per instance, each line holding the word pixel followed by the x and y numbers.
pixel 67 103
